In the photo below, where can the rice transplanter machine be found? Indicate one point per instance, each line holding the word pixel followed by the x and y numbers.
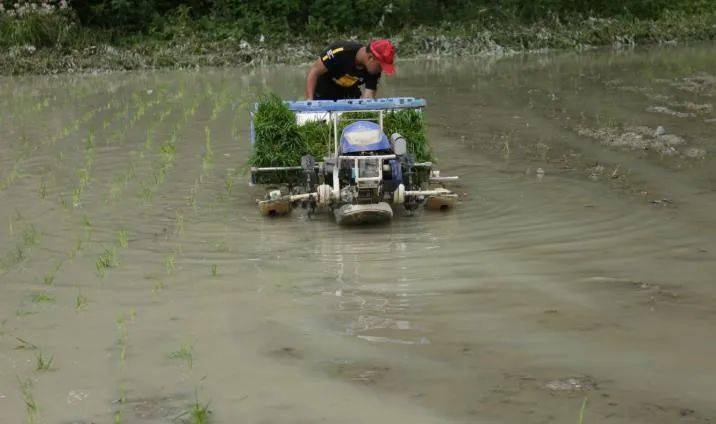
pixel 365 173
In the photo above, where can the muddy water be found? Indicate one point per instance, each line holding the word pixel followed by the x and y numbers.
pixel 579 263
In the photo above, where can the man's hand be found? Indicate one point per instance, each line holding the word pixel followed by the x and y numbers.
pixel 368 94
pixel 317 69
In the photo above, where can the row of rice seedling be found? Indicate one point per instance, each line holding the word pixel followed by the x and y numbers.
pixel 281 142
pixel 106 260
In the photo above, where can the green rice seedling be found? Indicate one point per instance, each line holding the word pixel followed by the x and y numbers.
pixel 191 200
pixel 178 223
pixel 49 278
pixel 164 115
pixel 87 225
pixel 170 262
pixel 43 362
pixel 208 157
pixel 214 270
pixel 197 413
pixel 64 203
pixel 145 192
pixel 24 344
pixel 28 398
pixel 12 176
pixel 106 261
pixel 149 141
pixel 24 312
pixel 77 197
pixel 17 255
pixel 184 353
pixel 80 302
pixel 76 250
pixel 122 238
pixel 84 177
pixel 115 189
pixel 410 123
pixel 168 149
pixel 122 337
pixel 281 142
pixel 158 286
pixel 30 236
pixel 278 142
pixel 316 138
pixel 122 393
pixel 118 417
pixel 220 246
pixel 228 184
pixel 89 143
pixel 43 297
pixel 582 409
pixel 159 174
pixel 42 191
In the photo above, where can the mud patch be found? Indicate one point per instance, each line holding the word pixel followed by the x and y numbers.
pixel 156 407
pixel 666 111
pixel 570 385
pixel 358 372
pixel 639 138
pixel 703 84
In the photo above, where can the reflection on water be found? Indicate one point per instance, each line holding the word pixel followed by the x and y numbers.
pixel 581 252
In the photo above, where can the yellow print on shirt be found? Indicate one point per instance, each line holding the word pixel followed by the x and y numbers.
pixel 346 81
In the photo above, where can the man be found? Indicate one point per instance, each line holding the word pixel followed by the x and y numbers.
pixel 345 66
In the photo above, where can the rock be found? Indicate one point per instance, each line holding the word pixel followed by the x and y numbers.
pixel 659 131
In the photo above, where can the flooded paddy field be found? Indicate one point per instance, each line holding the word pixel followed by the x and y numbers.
pixel 138 283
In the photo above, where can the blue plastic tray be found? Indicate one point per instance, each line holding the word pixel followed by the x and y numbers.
pixel 354 104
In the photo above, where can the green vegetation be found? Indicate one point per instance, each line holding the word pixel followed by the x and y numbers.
pixel 43 362
pixel 411 125
pixel 582 409
pixel 197 413
pixel 42 298
pixel 24 344
pixel 122 238
pixel 170 262
pixel 281 142
pixel 106 260
pixel 80 302
pixel 49 278
pixel 185 353
pixel 278 140
pixel 135 34
pixel 28 397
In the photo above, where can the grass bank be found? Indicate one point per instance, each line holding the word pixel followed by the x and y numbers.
pixel 185 46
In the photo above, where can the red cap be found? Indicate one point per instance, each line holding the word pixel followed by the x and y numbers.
pixel 384 52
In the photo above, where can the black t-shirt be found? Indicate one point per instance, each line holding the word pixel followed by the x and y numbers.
pixel 340 60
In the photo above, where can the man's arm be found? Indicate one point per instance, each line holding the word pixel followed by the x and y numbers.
pixel 371 86
pixel 317 69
